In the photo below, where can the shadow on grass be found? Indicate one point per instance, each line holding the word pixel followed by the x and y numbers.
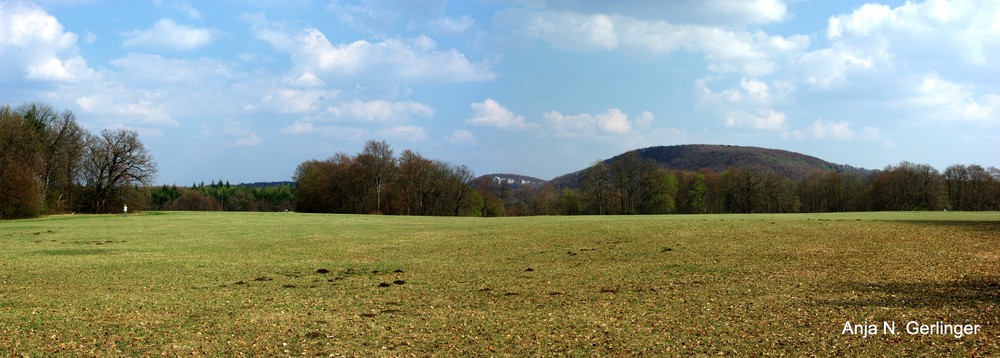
pixel 968 292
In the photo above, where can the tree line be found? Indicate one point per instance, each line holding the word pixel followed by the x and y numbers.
pixel 222 196
pixel 376 181
pixel 634 185
pixel 50 164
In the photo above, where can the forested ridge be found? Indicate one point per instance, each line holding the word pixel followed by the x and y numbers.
pixel 49 164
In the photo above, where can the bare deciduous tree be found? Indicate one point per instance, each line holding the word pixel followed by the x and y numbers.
pixel 379 167
pixel 115 160
pixel 64 147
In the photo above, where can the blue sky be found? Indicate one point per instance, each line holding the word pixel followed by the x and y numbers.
pixel 246 90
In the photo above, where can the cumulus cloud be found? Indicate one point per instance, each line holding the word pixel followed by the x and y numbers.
pixel 873 52
pixel 752 53
pixel 645 119
pixel 830 67
pixel 611 122
pixel 750 104
pixel 765 119
pixel 415 61
pixel 948 32
pixel 987 108
pixel 728 13
pixel 36 47
pixel 299 127
pixel 839 130
pixel 462 137
pixel 568 30
pixel 151 90
pixel 452 25
pixel 489 113
pixel 292 101
pixel 186 8
pixel 139 107
pixel 938 99
pixel 385 16
pixel 239 134
pixel 378 110
pixel 156 69
pixel 835 130
pixel 309 128
pixel 167 34
pixel 182 7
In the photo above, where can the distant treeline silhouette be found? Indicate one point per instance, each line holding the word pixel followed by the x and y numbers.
pixel 50 165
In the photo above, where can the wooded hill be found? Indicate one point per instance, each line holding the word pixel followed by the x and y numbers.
pixel 736 179
pixel 719 158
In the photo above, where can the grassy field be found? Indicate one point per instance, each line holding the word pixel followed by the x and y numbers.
pixel 293 284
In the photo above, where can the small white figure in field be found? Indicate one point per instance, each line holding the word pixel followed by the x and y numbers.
pixel 125 210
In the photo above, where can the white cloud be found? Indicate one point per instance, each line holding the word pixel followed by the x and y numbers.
pixel 186 8
pixel 300 127
pixel 35 46
pixel 728 13
pixel 462 137
pixel 148 68
pixel 167 34
pixel 831 66
pixel 288 100
pixel 870 133
pixel 948 31
pixel 941 100
pixel 755 11
pixel 385 16
pixel 822 129
pixel 751 104
pixel 571 30
pixel 986 109
pixel 645 119
pixel 860 22
pixel 613 122
pixel 755 89
pixel 140 107
pixel 453 25
pixel 306 79
pixel 379 110
pixel 489 113
pixel 146 89
pixel 239 134
pixel 933 61
pixel 417 60
pixel 840 130
pixel 308 128
pixel 765 119
pixel 752 53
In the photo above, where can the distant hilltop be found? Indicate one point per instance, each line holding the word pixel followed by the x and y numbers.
pixel 719 158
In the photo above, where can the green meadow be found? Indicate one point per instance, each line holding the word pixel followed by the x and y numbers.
pixel 183 283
